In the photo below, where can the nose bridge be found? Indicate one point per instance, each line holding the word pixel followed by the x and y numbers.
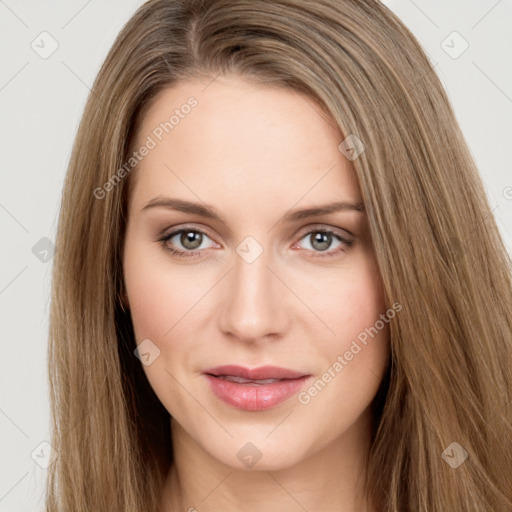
pixel 254 303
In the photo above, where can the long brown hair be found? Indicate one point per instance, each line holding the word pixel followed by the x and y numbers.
pixel 437 246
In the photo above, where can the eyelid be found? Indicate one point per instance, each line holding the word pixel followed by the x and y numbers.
pixel 169 233
pixel 304 230
pixel 324 227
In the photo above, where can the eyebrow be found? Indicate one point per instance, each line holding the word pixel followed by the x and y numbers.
pixel 210 213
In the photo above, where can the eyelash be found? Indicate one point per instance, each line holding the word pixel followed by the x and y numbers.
pixel 191 254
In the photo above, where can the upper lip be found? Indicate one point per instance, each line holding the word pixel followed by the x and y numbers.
pixel 262 372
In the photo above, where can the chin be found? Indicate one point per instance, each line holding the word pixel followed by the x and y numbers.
pixel 256 452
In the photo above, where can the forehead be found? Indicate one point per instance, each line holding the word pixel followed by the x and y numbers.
pixel 251 144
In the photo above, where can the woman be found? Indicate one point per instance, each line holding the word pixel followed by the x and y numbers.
pixel 278 284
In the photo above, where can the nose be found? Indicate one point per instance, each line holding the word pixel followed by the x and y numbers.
pixel 254 305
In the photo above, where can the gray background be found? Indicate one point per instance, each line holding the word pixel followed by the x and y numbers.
pixel 41 101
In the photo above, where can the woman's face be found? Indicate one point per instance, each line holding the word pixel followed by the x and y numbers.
pixel 258 278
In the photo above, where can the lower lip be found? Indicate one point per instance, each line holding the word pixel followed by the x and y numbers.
pixel 255 397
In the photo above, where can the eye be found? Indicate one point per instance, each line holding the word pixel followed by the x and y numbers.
pixel 187 240
pixel 321 239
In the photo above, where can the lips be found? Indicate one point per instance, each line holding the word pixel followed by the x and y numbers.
pixel 254 390
pixel 261 373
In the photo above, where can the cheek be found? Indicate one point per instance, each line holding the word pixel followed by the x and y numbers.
pixel 362 305
pixel 159 299
pixel 354 362
pixel 159 294
pixel 349 300
pixel 356 354
pixel 151 301
pixel 166 304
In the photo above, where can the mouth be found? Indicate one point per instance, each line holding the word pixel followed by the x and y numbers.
pixel 241 380
pixel 254 389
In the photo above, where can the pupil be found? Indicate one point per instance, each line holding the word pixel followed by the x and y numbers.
pixel 191 239
pixel 321 241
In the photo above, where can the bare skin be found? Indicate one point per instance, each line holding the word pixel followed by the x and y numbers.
pixel 254 153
